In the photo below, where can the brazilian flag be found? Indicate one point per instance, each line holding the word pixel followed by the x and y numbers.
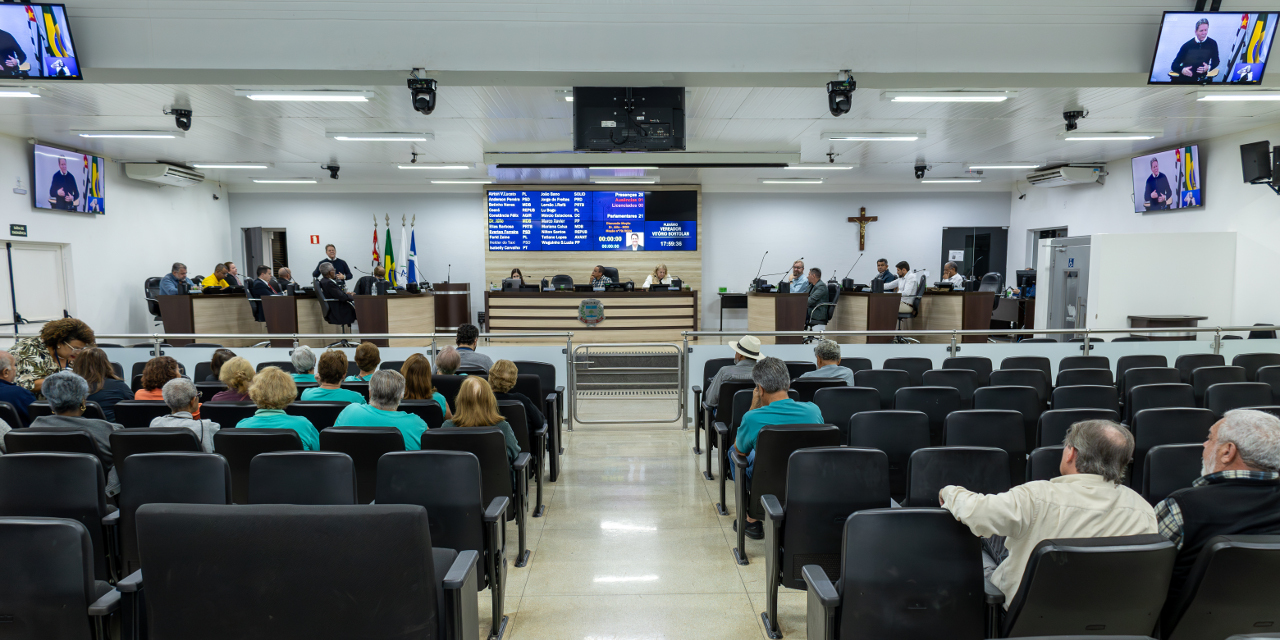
pixel 389 260
pixel 55 42
pixel 1254 53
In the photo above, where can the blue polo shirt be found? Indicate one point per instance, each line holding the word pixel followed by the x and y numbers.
pixel 785 411
pixel 318 394
pixel 367 415
pixel 278 419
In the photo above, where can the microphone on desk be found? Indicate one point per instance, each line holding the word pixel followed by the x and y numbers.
pixel 755 282
pixel 847 282
pixel 448 276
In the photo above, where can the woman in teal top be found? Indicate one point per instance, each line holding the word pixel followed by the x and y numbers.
pixel 272 391
pixel 417 382
pixel 367 358
pixel 330 371
pixel 304 364
pixel 386 388
pixel 477 407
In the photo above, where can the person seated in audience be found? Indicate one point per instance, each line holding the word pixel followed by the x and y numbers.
pixel 304 364
pixel 468 336
pixel 770 405
pixel 66 393
pixel 502 378
pixel 216 279
pixel 448 361
pixel 598 278
pixel 342 308
pixel 659 276
pixel 827 353
pixel 367 359
pixel 215 363
pixel 233 275
pixel 54 350
pixel 183 400
pixel 1086 501
pixel 272 391
pixel 746 351
pixel 330 373
pixel 238 375
pixel 819 311
pixel 15 395
pixel 417 382
pixel 176 281
pixel 950 274
pixel 158 371
pixel 386 390
pixel 262 286
pixel 477 407
pixel 1238 492
pixel 105 387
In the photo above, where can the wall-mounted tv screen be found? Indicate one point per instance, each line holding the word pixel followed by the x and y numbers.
pixel 593 220
pixel 1213 47
pixel 66 180
pixel 1167 180
pixel 35 42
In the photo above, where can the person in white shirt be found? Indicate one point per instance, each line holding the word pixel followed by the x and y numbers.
pixel 949 274
pixel 907 286
pixel 183 399
pixel 659 276
pixel 1086 501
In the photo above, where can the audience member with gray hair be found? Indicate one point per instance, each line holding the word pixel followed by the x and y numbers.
pixel 770 405
pixel 183 399
pixel 827 354
pixel 10 392
pixel 386 389
pixel 1086 501
pixel 1238 493
pixel 66 393
pixel 304 364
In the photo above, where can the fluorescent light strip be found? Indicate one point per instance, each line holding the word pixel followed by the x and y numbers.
pixel 305 96
pixel 790 180
pixel 477 181
pixel 378 136
pixel 819 166
pixel 878 136
pixel 621 166
pixel 1108 136
pixel 231 165
pixel 435 166
pixel 950 96
pixel 978 167
pixel 622 181
pixel 19 92
pixel 285 180
pixel 1238 96
pixel 131 134
pixel 951 181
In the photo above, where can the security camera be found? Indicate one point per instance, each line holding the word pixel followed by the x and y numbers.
pixel 423 91
pixel 1072 117
pixel 332 169
pixel 181 117
pixel 920 169
pixel 840 96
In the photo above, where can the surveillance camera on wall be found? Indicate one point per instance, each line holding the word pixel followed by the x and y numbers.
pixel 920 169
pixel 332 169
pixel 181 118
pixel 1072 117
pixel 423 91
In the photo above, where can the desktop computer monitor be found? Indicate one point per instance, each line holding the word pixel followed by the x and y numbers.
pixel 1027 282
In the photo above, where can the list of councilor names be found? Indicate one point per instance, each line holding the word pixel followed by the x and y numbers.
pixel 540 221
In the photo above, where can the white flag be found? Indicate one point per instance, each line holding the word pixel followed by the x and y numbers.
pixel 402 268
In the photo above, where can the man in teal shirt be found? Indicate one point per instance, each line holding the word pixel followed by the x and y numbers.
pixel 769 405
pixel 386 389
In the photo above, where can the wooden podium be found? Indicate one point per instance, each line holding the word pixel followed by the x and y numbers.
pixel 955 310
pixel 295 314
pixel 452 305
pixel 777 312
pixel 858 311
pixel 397 313
pixel 226 313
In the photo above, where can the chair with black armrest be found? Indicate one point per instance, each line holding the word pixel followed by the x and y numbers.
pixel 1044 463
pixel 170 477
pixel 1159 396
pixel 1204 377
pixel 530 385
pixel 138 414
pixel 824 485
pixel 839 403
pixel 428 410
pixel 797 368
pixel 227 414
pixel 1188 362
pixel 1086 396
pixel 302 477
pixel 856 364
pixel 531 442
pixel 979 469
pixel 47 580
pixel 128 442
pixel 995 428
pixel 1078 377
pixel 1083 362
pixel 1053 425
pixel 448 387
pixel 898 434
pixel 1169 467
pixel 727 432
pixel 1225 396
pixel 9 414
pixel 449 485
pixel 208 568
pixel 1174 425
pixel 889 589
pixel 805 388
pixel 1139 376
pixel 1034 378
pixel 1251 362
pixel 209 389
pixel 774 446
pixel 828 308
pixel 1126 363
pixel 611 273
pixel 977 364
pixel 885 381
pixel 150 292
pixel 240 446
pixel 365 445
pixel 963 380
pixel 1024 400
pixel 488 445
pixel 724 399
pixel 1234 575
pixel 41 408
pixel 914 366
pixel 1030 362
pixel 321 414
pixel 554 400
pixel 284 365
pixel 1270 375
pixel 935 402
pixel 325 305
pixel 915 302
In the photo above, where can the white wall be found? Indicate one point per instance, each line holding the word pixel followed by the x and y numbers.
pixel 1252 211
pixel 145 230
pixel 1209 258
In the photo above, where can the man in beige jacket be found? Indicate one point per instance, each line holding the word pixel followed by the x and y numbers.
pixel 1086 501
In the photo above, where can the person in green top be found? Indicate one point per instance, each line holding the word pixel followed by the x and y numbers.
pixel 304 364
pixel 272 391
pixel 367 358
pixel 417 382
pixel 330 372
pixel 477 407
pixel 386 389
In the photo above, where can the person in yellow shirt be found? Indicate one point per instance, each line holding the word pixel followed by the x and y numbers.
pixel 219 277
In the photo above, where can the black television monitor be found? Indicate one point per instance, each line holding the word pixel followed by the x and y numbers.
pixel 66 180
pixel 1255 161
pixel 628 118
pixel 35 42
pixel 1213 48
pixel 1026 281
pixel 1168 180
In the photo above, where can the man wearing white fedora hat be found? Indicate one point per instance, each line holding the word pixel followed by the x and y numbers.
pixel 746 350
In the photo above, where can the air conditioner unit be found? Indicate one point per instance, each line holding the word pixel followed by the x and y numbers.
pixel 163 173
pixel 1067 175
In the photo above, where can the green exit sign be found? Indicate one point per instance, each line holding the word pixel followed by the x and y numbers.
pixel 18 230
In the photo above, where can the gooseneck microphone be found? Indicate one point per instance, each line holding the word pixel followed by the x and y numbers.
pixel 754 284
pixel 855 263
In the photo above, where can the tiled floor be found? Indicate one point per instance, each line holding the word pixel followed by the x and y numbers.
pixel 631 548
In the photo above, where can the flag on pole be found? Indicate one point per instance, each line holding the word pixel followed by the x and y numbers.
pixel 389 260
pixel 411 258
pixel 377 259
pixel 402 271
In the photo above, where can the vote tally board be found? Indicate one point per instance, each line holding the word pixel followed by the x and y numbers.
pixel 584 221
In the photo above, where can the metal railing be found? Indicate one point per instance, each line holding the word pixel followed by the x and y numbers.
pixel 585 351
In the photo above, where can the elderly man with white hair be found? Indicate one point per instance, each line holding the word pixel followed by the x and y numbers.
pixel 10 391
pixel 304 364
pixel 1238 493
pixel 183 399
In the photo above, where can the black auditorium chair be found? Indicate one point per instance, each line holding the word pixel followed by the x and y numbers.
pixel 1251 362
pixel 1077 377
pixel 365 445
pixel 1044 463
pixel 489 447
pixel 838 404
pixel 977 364
pixel 10 416
pixel 209 389
pixel 302 388
pixel 227 414
pixel 128 442
pixel 795 368
pixel 1128 577
pixel 390 365
pixel 428 410
pixel 1188 362
pixel 914 366
pixel 240 446
pixel 1083 362
pixel 1233 574
pixel 40 441
pixel 1024 400
pixel 1223 397
pixel 1054 424
pixel 136 414
pixel 1040 363
pixel 449 485
pixel 888 589
pixel 42 408
pixel 979 469
pixel 531 442
pixel 1270 375
pixel 1034 378
pixel 275 571
pixel 47 582
pixel 897 433
pixel 361 387
pixel 1204 377
pixel 544 398
pixel 321 414
pixel 1126 363
pixel 885 381
pixel 709 370
pixel 284 365
pixel 1139 376
pixel 1086 397
pixel 935 402
pixel 774 446
pixel 448 386
pixel 856 364
pixel 1170 467
pixel 60 485
pixel 302 477
pixel 172 477
pixel 725 426
pixel 963 380
pixel 547 373
pixel 803 527
pixel 1159 396
pixel 1154 427
pixel 994 428
pixel 203 371
pixel 806 387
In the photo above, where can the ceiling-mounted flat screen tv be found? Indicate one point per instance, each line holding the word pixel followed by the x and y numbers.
pixel 1213 48
pixel 35 42
pixel 1168 180
pixel 65 180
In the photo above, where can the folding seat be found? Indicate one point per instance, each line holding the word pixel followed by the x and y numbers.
pixel 1034 378
pixel 1225 396
pixel 532 443
pixel 1234 574
pixel 1126 363
pixel 1083 362
pixel 795 368
pixel 1077 377
pixel 47 581
pixel 128 442
pixel 1170 467
pixel 1086 397
pixel 897 433
pixel 886 381
pixel 1159 396
pixel 856 364
pixel 365 445
pixel 1040 363
pixel 1188 362
pixel 240 446
pixel 963 380
pixel 61 485
pixel 1204 377
pixel 915 367
pixel 302 477
pixel 1044 463
pixel 980 469
pixel 1251 362
pixel 1024 400
pixel 935 402
pixel 138 414
pixel 838 404
pixel 977 364
pixel 995 428
pixel 807 387
pixel 1054 423
pixel 321 414
pixel 1154 427
pixel 172 477
pixel 226 414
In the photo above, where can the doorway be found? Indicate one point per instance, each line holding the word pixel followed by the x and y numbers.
pixel 39 285
pixel 1034 236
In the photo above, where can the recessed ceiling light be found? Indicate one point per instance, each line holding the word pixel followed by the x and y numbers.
pixel 980 167
pixel 19 92
pixel 606 180
pixel 950 96
pixel 1109 135
pixel 1237 96
pixel 884 136
pixel 378 136
pixel 790 180
pixel 130 134
pixel 475 181
pixel 285 180
pixel 320 95
pixel 231 165
pixel 435 166
pixel 819 166
pixel 621 166
pixel 950 180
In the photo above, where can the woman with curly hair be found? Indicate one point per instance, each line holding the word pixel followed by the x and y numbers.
pixel 272 391
pixel 57 346
pixel 237 374
pixel 158 371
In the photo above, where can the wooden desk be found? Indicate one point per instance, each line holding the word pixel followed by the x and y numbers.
pixel 777 312
pixel 1171 321
pixel 397 313
pixel 950 310
pixel 731 301
pixel 629 316
pixel 453 305
pixel 858 311
pixel 296 314
pixel 209 313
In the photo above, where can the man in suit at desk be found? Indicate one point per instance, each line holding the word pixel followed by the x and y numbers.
pixel 882 271
pixel 796 278
pixel 262 287
pixel 906 286
pixel 342 308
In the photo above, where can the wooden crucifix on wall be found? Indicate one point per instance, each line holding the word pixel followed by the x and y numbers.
pixel 862 221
